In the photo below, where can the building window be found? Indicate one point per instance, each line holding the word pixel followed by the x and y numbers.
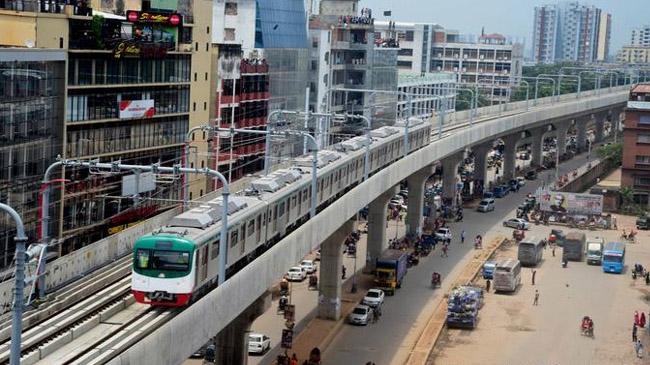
pixel 229 34
pixel 409 35
pixel 404 64
pixel 405 52
pixel 643 138
pixel 231 8
pixel 642 181
pixel 642 161
pixel 644 119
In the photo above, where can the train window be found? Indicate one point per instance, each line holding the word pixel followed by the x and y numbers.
pixel 275 212
pixel 251 227
pixel 234 237
pixel 242 232
pixel 258 224
pixel 215 250
pixel 259 228
pixel 305 195
pixel 293 201
pixel 281 213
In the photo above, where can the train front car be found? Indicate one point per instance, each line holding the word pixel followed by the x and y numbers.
pixel 163 273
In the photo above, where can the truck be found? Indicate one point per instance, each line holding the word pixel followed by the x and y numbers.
pixel 574 246
pixel 595 250
pixel 643 222
pixel 390 270
pixel 463 306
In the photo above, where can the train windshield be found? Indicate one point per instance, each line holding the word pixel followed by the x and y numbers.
pixel 162 260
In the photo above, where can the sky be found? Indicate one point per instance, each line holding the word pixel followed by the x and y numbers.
pixel 512 18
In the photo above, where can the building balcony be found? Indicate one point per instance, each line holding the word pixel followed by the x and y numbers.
pixel 340 45
pixel 230 99
pixel 639 105
pixel 46 6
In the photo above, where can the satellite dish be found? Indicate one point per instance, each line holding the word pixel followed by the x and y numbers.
pixel 29 43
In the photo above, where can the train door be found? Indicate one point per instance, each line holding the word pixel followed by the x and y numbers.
pixel 258 230
pixel 202 264
pixel 282 217
pixel 275 220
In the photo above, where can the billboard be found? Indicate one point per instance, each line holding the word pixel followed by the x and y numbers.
pixel 570 203
pixel 137 109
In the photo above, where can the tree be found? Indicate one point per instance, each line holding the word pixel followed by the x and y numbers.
pixel 612 152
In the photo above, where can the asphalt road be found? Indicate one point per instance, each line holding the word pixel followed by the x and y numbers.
pixel 380 342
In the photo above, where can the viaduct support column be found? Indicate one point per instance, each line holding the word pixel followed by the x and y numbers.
pixel 377 214
pixel 599 127
pixel 480 155
pixel 231 344
pixel 536 149
pixel 416 200
pixel 562 130
pixel 329 296
pixel 581 130
pixel 509 156
pixel 450 176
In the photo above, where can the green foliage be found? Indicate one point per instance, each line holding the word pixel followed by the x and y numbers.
pixel 464 100
pixel 96 27
pixel 612 152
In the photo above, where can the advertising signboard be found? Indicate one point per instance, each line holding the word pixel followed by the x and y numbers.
pixel 287 339
pixel 137 109
pixel 570 203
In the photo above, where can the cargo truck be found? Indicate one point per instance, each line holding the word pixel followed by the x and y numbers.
pixel 390 270
pixel 595 250
pixel 574 246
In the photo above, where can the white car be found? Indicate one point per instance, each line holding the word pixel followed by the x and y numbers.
pixel 373 298
pixel 361 314
pixel 516 223
pixel 309 266
pixel 296 273
pixel 258 343
pixel 443 234
pixel 521 181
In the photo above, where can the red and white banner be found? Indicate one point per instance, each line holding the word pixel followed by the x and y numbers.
pixel 137 108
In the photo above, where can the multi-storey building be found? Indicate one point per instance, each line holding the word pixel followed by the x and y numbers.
pixel 431 93
pixel 31 128
pixel 135 85
pixel 492 62
pixel 345 59
pixel 261 67
pixel 570 31
pixel 634 54
pixel 640 36
pixel 414 41
pixel 635 171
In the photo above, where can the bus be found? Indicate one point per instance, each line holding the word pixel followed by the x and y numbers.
pixel 614 257
pixel 530 251
pixel 507 275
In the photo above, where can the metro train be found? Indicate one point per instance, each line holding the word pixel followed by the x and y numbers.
pixel 178 263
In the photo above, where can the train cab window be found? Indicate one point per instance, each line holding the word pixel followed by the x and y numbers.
pixel 214 250
pixel 234 236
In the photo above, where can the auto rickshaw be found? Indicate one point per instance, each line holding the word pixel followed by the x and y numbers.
pixel 518 235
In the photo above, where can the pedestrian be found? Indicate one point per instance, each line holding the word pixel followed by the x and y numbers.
pixel 487 285
pixel 638 348
pixel 553 250
pixel 634 329
pixel 536 300
pixel 642 320
pixel 294 359
pixel 444 250
pixel 343 272
pixel 636 318
pixel 462 237
pixel 534 272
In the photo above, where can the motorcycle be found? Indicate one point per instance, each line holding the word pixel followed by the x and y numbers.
pixel 412 260
pixel 628 236
pixel 565 263
pixel 436 280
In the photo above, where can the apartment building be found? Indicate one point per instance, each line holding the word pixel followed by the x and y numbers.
pixel 570 31
pixel 344 59
pixel 492 62
pixel 634 54
pixel 635 171
pixel 431 93
pixel 259 64
pixel 414 41
pixel 135 85
pixel 640 36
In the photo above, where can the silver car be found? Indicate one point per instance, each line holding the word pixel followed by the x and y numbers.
pixel 516 223
pixel 361 315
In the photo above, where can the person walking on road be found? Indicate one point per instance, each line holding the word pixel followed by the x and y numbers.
pixel 487 285
pixel 536 300
pixel 553 249
pixel 462 236
pixel 294 359
pixel 534 272
pixel 638 349
pixel 634 329
pixel 444 250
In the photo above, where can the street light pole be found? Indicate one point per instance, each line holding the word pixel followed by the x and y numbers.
pixel 19 282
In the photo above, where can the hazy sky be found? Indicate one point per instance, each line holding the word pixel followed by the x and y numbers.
pixel 509 17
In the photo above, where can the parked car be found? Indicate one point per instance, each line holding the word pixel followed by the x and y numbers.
pixel 531 175
pixel 501 191
pixel 296 273
pixel 258 343
pixel 485 205
pixel 443 234
pixel 513 185
pixel 361 315
pixel 521 181
pixel 373 298
pixel 516 223
pixel 488 195
pixel 309 266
